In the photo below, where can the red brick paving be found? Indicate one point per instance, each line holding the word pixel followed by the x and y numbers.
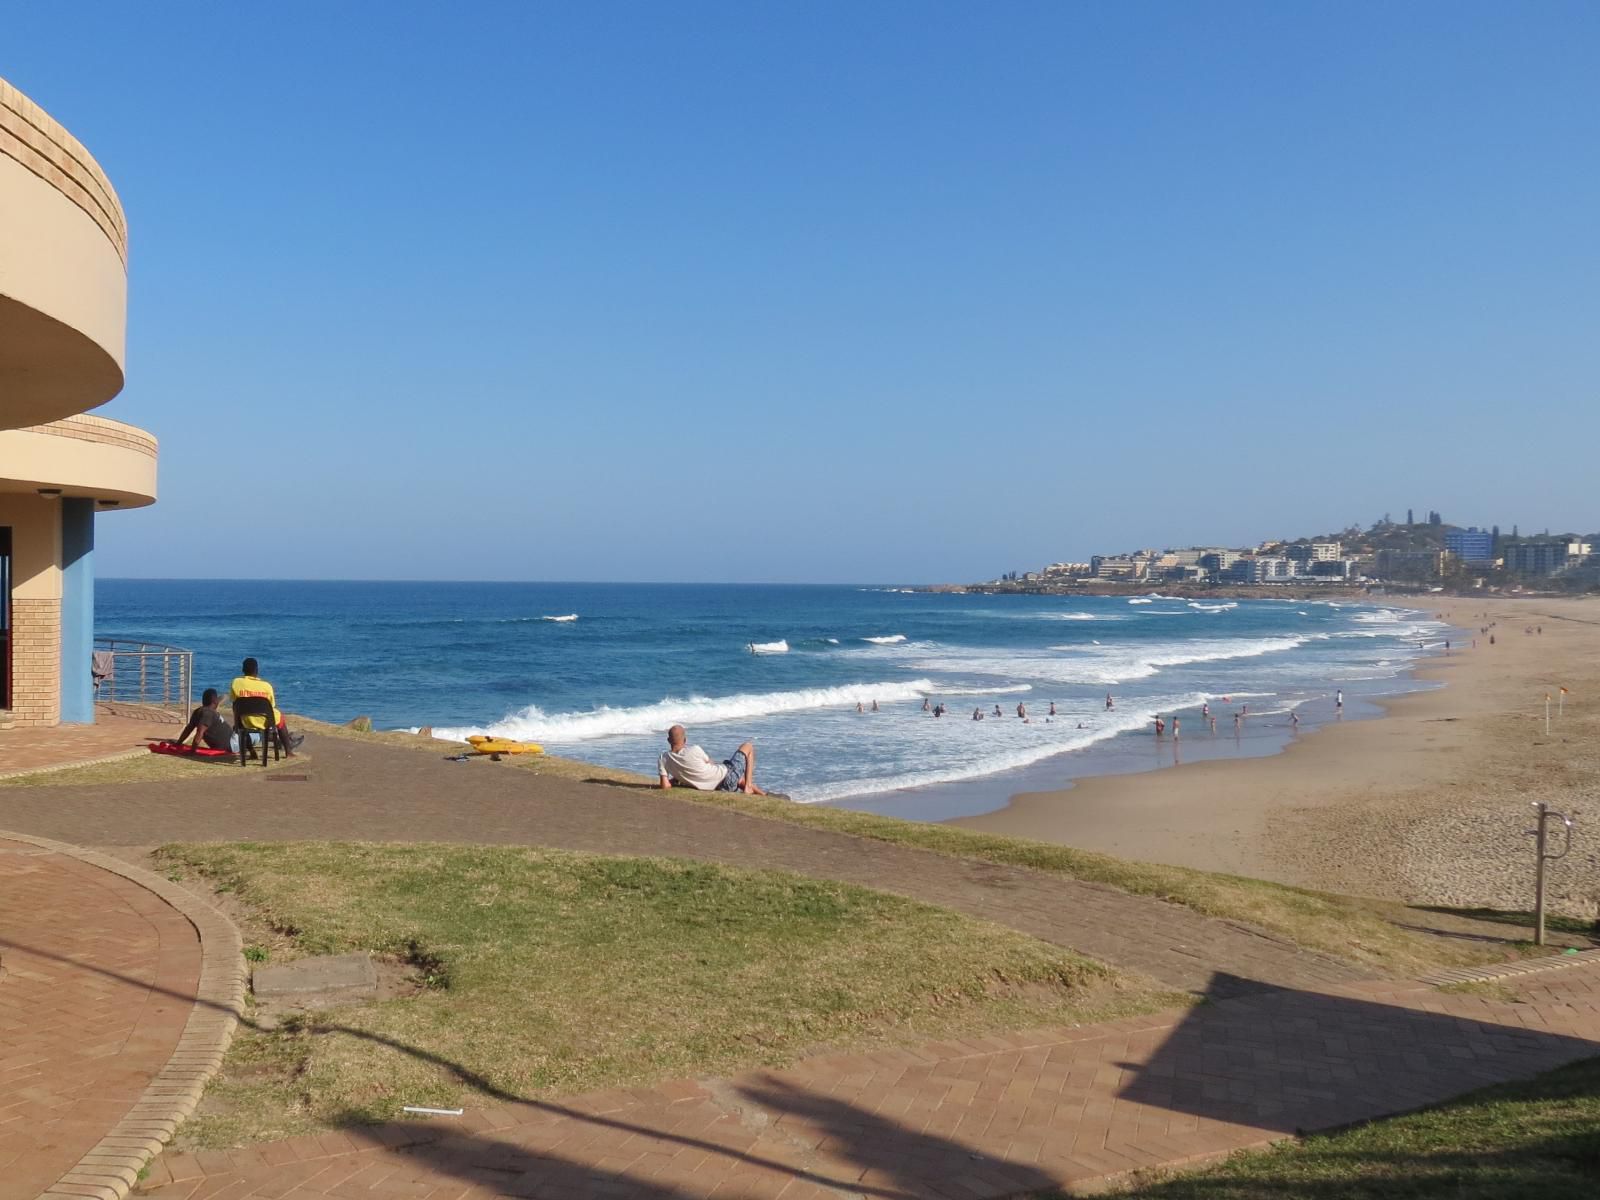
pixel 997 1116
pixel 36 748
pixel 86 1020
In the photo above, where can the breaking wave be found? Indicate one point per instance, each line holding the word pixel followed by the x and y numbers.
pixel 779 647
pixel 894 639
pixel 567 617
pixel 533 723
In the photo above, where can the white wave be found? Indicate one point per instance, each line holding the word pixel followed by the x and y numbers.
pixel 1074 616
pixel 831 641
pixel 894 639
pixel 1140 600
pixel 1212 608
pixel 568 617
pixel 534 724
pixel 778 647
pixel 1043 741
pixel 1101 665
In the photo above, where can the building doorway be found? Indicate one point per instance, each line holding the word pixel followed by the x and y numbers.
pixel 5 617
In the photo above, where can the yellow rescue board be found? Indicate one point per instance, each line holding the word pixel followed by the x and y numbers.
pixel 490 745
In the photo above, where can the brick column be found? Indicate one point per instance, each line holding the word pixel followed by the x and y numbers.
pixel 36 661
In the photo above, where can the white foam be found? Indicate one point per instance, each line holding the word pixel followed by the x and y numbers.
pixel 778 647
pixel 1140 600
pixel 1041 740
pixel 568 617
pixel 534 724
pixel 894 639
pixel 1212 608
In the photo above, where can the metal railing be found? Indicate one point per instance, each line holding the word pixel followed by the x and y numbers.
pixel 145 677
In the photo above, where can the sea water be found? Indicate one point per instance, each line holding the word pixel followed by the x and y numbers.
pixel 598 671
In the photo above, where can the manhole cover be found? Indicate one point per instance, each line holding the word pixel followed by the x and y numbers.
pixel 287 778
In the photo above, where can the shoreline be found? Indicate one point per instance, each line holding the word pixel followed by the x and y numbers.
pixel 1409 806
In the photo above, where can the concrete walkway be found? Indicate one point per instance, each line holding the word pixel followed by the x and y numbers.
pixel 365 791
pixel 999 1116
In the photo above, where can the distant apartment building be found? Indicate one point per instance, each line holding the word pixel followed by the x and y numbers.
pixel 1310 552
pixel 1068 570
pixel 1262 568
pixel 1473 546
pixel 1545 556
pixel 1338 568
pixel 1217 563
pixel 1411 564
pixel 1120 566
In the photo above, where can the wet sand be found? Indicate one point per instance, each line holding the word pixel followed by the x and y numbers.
pixel 1426 804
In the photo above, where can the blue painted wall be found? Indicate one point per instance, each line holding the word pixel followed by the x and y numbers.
pixel 77 610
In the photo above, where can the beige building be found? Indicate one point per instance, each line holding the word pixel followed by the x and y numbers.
pixel 63 300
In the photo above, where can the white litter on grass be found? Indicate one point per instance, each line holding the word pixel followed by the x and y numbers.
pixel 433 1112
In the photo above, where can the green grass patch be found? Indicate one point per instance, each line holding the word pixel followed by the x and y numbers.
pixel 1365 932
pixel 144 767
pixel 552 972
pixel 1356 930
pixel 1553 922
pixel 1535 1140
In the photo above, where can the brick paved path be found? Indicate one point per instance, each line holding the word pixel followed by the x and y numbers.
pixel 29 749
pixel 994 1117
pixel 86 1020
pixel 367 791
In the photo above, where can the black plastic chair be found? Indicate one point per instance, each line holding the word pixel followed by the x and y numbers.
pixel 256 706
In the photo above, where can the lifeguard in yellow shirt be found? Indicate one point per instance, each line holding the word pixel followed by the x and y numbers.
pixel 250 684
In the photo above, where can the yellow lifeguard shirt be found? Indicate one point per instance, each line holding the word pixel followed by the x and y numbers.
pixel 250 686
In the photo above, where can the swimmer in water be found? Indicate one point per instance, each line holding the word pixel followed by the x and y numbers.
pixel 1161 726
pixel 1022 711
pixel 1110 703
pixel 925 707
pixel 1052 708
pixel 977 714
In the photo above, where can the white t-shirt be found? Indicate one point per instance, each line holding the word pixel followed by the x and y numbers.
pixel 693 766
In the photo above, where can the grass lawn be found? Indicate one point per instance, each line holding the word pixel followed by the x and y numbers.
pixel 558 972
pixel 1537 1140
pixel 1365 932
pixel 141 768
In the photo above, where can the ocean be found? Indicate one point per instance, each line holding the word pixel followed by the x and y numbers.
pixel 598 671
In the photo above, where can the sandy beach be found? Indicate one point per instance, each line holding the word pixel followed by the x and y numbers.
pixel 1428 804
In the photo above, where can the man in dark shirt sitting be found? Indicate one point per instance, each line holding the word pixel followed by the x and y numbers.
pixel 209 724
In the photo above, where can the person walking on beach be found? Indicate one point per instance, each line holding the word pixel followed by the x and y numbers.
pixel 1205 710
pixel 1294 720
pixel 691 766
pixel 1213 722
pixel 1176 722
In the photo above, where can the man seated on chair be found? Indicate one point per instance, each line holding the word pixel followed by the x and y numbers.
pixel 249 684
pixel 209 725
pixel 691 765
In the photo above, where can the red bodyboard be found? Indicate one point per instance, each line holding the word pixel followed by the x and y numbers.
pixel 175 748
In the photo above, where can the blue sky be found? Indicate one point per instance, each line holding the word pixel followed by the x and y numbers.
pixel 822 292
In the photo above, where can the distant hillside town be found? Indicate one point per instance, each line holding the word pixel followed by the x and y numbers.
pixel 1428 553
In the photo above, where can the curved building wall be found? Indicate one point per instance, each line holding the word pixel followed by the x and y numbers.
pixel 63 300
pixel 63 271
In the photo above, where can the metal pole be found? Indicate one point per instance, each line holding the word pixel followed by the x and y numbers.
pixel 1561 702
pixel 1538 879
pixel 1547 714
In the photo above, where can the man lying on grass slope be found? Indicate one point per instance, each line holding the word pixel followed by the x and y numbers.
pixel 692 766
